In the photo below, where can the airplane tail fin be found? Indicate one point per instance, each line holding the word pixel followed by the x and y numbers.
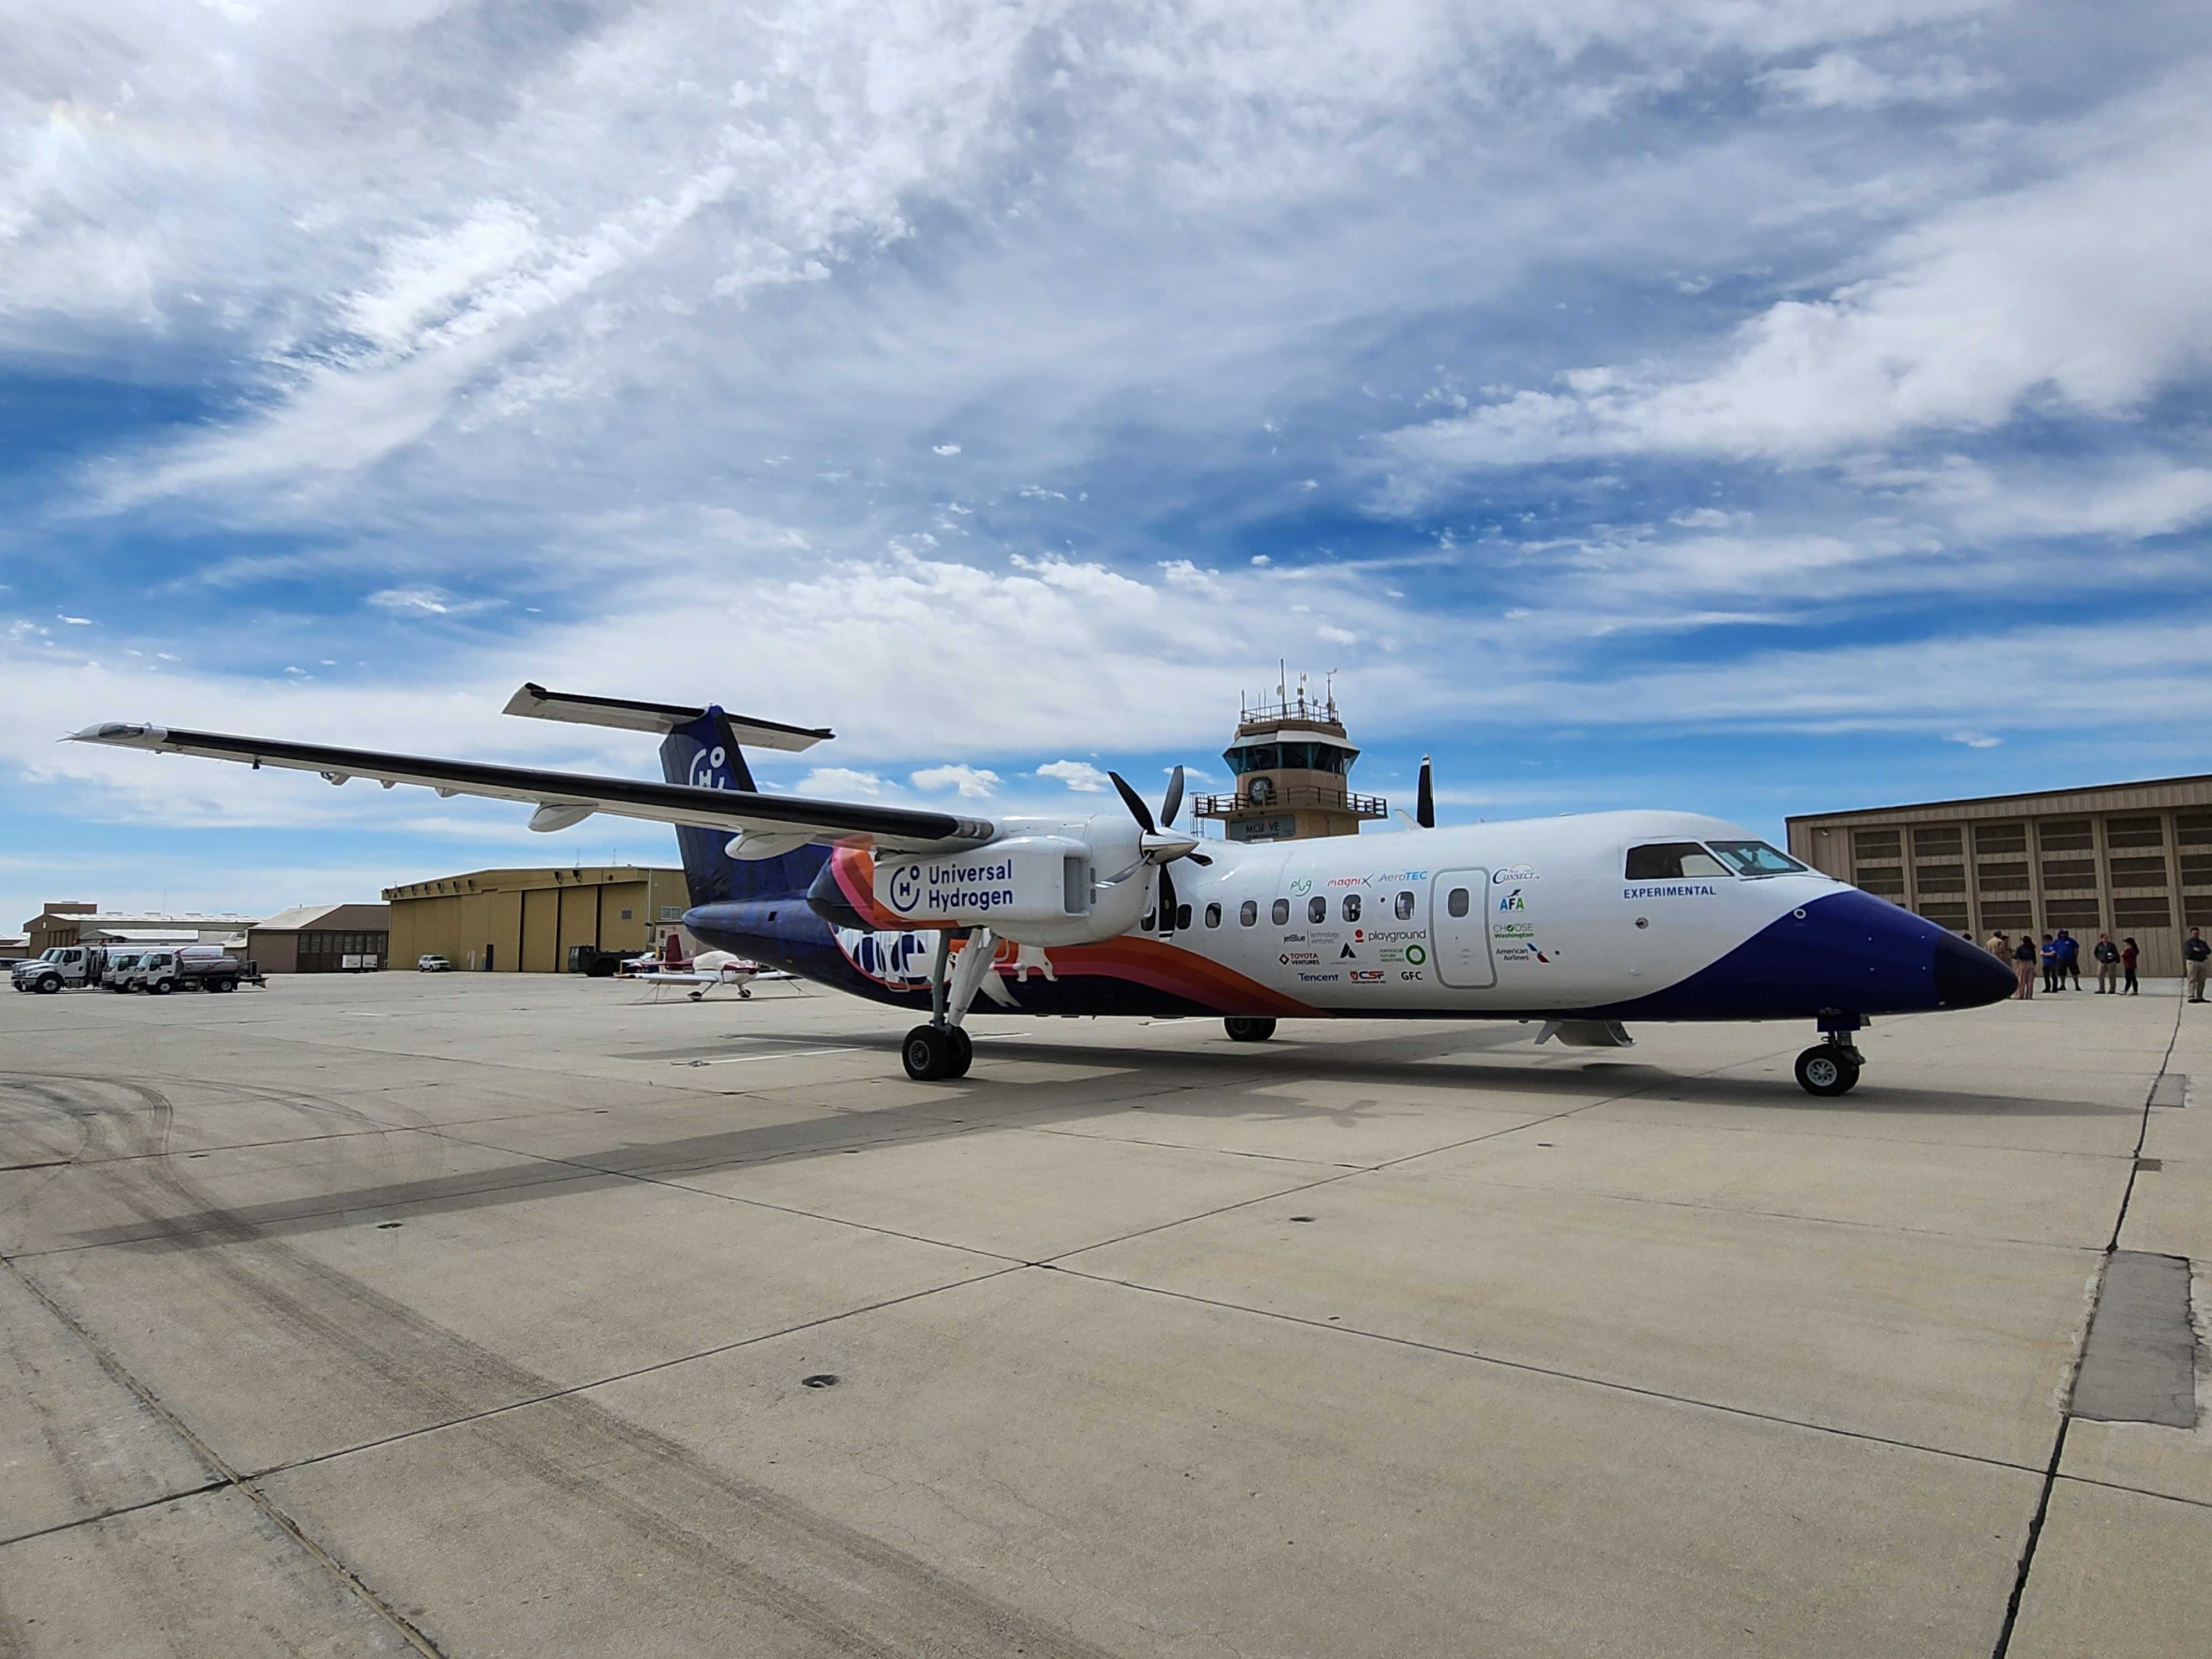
pixel 700 748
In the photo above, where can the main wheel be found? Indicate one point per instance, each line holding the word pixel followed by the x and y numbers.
pixel 1243 1028
pixel 1823 1069
pixel 927 1052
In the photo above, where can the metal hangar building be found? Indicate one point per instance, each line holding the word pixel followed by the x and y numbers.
pixel 527 920
pixel 2127 858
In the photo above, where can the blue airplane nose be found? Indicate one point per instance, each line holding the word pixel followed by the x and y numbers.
pixel 1967 976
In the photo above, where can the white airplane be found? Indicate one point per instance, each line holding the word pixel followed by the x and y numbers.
pixel 1582 923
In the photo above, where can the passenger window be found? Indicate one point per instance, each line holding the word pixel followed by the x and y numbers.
pixel 1404 907
pixel 1248 913
pixel 1214 915
pixel 1317 908
pixel 1182 915
pixel 1352 907
pixel 1281 913
pixel 1671 861
pixel 1457 902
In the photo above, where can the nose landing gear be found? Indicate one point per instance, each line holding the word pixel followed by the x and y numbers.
pixel 1831 1066
pixel 942 1050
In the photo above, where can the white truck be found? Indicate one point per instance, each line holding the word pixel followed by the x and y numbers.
pixel 187 967
pixel 76 965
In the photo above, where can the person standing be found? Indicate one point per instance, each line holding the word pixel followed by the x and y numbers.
pixel 2023 963
pixel 2108 963
pixel 2051 966
pixel 2196 962
pixel 1999 944
pixel 2069 959
pixel 2128 954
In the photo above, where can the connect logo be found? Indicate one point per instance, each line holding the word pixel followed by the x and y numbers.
pixel 905 889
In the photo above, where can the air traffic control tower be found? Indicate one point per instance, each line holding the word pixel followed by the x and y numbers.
pixel 1293 762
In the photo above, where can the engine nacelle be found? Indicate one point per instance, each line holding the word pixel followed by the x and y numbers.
pixel 1037 888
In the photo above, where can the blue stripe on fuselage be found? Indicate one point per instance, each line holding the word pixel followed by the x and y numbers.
pixel 1849 952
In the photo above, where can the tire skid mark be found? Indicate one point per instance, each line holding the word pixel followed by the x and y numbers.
pixel 851 1590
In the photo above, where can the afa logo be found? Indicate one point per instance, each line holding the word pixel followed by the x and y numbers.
pixel 706 768
pixel 1513 900
pixel 905 888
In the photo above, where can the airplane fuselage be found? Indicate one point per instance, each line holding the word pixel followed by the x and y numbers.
pixel 1538 918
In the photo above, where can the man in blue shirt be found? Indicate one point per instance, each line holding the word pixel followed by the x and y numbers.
pixel 2070 957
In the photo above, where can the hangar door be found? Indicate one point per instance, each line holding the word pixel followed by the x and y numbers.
pixel 1459 927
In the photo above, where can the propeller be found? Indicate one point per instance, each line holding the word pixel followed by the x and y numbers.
pixel 1425 799
pixel 1155 846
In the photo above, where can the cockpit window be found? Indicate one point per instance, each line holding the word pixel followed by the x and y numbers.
pixel 1671 861
pixel 1756 858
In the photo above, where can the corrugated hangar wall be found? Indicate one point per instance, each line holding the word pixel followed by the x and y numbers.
pixel 527 920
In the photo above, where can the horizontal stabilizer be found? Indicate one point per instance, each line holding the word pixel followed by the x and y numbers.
pixel 627 715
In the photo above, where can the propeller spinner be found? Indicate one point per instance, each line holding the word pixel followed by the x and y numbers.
pixel 1156 847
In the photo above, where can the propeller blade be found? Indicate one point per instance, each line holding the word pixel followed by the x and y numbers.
pixel 1135 803
pixel 1167 901
pixel 1424 800
pixel 1173 804
pixel 1199 858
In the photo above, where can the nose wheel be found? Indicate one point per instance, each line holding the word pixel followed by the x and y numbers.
pixel 1829 1068
pixel 933 1054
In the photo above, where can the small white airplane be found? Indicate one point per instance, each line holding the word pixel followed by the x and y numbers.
pixel 1582 923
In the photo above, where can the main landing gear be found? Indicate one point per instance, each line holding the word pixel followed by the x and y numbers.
pixel 1243 1028
pixel 1831 1066
pixel 941 1050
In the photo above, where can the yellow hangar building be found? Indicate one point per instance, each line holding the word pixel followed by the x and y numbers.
pixel 528 921
pixel 2133 859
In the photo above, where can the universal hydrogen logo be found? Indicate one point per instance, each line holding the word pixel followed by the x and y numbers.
pixel 906 887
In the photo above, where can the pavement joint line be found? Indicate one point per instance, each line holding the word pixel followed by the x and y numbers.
pixel 466 1419
pixel 171 1234
pixel 1531 1368
pixel 200 1491
pixel 2140 1491
pixel 1770 1215
pixel 2066 1410
pixel 1347 1175
pixel 230 1477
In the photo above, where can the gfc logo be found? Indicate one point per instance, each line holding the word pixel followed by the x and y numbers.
pixel 905 887
pixel 706 766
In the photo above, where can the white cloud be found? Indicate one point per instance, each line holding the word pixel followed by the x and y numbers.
pixel 2086 290
pixel 840 783
pixel 1972 739
pixel 1842 80
pixel 75 622
pixel 1079 776
pixel 430 600
pixel 947 449
pixel 973 782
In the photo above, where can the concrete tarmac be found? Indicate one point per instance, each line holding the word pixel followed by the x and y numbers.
pixel 476 1314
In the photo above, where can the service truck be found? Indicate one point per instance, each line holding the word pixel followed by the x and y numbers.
pixel 77 965
pixel 188 967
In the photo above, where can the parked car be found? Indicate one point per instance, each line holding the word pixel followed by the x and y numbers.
pixel 433 964
pixel 62 964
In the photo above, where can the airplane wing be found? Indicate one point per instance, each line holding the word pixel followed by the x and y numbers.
pixel 897 829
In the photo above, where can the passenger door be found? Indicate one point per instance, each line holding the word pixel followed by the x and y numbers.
pixel 1459 925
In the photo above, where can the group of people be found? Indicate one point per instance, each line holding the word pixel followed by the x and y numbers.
pixel 2059 956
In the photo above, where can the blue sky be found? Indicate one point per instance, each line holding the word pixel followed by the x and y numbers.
pixel 1752 408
